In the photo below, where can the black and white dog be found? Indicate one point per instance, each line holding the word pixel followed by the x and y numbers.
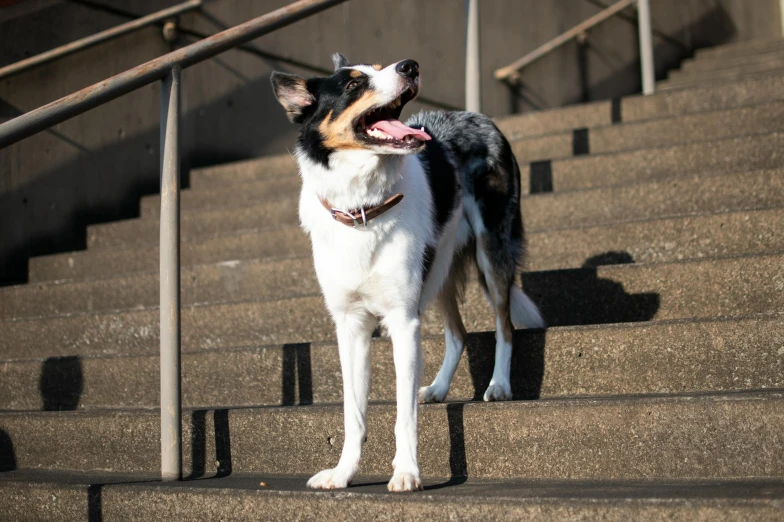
pixel 396 214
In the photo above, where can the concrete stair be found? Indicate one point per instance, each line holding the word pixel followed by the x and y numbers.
pixel 656 254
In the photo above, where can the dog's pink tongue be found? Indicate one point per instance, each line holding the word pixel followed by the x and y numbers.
pixel 399 131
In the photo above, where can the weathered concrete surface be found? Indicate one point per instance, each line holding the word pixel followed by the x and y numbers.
pixel 749 47
pixel 700 437
pixel 217 216
pixel 683 195
pixel 587 296
pixel 717 63
pixel 665 86
pixel 216 282
pixel 266 243
pixel 712 355
pixel 64 496
pixel 676 238
pixel 701 75
pixel 556 120
pixel 742 153
pixel 270 188
pixel 656 199
pixel 710 96
pixel 663 132
pixel 243 171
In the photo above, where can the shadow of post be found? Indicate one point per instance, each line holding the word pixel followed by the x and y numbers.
pixel 222 434
pixel 296 375
pixel 61 383
pixel 7 455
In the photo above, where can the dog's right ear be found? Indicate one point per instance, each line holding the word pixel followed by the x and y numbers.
pixel 292 93
pixel 338 60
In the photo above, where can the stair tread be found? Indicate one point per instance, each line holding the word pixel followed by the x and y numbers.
pixel 709 436
pixel 645 240
pixel 654 357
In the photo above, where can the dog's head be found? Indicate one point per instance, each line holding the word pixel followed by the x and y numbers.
pixel 356 108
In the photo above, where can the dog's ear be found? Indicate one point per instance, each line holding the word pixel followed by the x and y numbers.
pixel 338 60
pixel 292 93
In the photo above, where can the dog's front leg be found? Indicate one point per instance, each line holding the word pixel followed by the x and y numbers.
pixel 404 330
pixel 354 331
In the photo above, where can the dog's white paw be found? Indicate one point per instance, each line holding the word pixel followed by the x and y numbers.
pixel 404 482
pixel 330 479
pixel 498 392
pixel 432 393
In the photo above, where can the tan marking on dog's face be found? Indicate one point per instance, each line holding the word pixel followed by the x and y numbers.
pixel 377 66
pixel 355 73
pixel 339 133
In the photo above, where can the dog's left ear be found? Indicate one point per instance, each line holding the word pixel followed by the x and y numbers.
pixel 292 93
pixel 338 60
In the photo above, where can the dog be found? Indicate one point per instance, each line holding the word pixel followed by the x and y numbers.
pixel 396 214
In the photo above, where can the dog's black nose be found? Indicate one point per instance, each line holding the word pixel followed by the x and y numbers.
pixel 408 69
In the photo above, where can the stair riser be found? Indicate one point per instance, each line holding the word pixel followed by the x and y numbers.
pixel 220 282
pixel 665 86
pixel 736 154
pixel 626 294
pixel 707 97
pixel 735 233
pixel 221 197
pixel 736 191
pixel 749 48
pixel 200 223
pixel 647 164
pixel 24 502
pixel 227 282
pixel 706 438
pixel 681 357
pixel 690 75
pixel 548 122
pixel 706 64
pixel 243 171
pixel 657 133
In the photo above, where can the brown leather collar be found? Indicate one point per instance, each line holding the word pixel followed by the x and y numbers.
pixel 353 218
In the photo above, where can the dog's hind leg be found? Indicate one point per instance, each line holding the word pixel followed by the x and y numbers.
pixel 354 331
pixel 497 280
pixel 454 341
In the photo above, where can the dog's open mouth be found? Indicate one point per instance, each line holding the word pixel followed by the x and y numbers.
pixel 381 126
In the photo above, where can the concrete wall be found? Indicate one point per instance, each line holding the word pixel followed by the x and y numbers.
pixel 95 167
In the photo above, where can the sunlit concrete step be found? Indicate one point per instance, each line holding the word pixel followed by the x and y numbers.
pixel 667 86
pixel 677 356
pixel 704 436
pixel 736 286
pixel 746 48
pixel 703 126
pixel 696 75
pixel 682 237
pixel 30 495
pixel 697 193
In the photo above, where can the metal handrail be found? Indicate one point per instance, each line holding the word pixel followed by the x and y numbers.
pixel 646 47
pixel 97 94
pixel 166 68
pixel 97 38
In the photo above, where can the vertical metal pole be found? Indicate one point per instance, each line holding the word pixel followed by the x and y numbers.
pixel 473 75
pixel 646 46
pixel 171 429
pixel 781 12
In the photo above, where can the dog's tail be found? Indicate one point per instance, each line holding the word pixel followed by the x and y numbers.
pixel 523 311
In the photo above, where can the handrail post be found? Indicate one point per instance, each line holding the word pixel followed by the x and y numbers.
pixel 473 93
pixel 646 46
pixel 171 428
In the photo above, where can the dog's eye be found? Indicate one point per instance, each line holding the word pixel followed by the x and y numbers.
pixel 352 85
